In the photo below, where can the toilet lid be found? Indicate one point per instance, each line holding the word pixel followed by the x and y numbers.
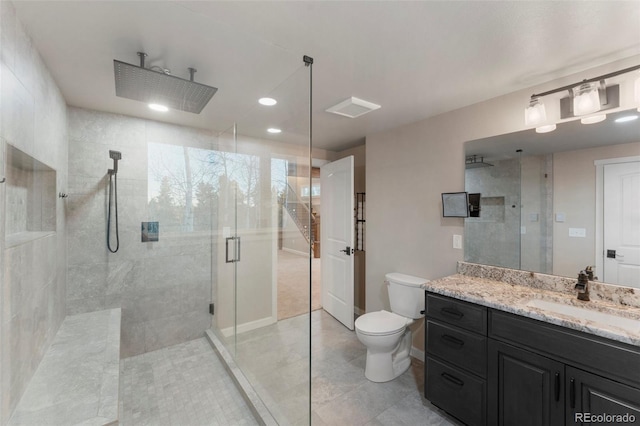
pixel 380 323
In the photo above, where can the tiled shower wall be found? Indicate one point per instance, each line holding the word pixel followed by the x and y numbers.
pixel 164 287
pixel 32 267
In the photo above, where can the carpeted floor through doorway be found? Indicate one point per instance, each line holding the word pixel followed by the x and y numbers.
pixel 293 284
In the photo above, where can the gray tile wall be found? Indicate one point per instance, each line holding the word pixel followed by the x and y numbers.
pixel 164 287
pixel 32 273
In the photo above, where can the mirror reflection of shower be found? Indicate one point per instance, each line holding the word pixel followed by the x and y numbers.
pixel 113 200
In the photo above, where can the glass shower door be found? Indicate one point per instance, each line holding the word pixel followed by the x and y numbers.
pixel 264 245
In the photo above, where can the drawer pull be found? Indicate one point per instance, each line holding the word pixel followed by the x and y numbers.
pixel 557 386
pixel 452 313
pixel 452 379
pixel 452 340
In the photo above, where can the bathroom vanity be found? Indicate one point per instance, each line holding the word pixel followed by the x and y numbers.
pixel 499 353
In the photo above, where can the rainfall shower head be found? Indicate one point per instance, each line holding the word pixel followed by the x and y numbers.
pixel 475 162
pixel 150 86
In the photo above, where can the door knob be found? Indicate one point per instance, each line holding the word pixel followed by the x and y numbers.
pixel 347 251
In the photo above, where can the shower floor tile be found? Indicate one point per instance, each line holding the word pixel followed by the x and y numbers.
pixel 185 384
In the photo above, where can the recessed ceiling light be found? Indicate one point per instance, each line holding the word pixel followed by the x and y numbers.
pixel 267 101
pixel 158 107
pixel 273 130
pixel 626 118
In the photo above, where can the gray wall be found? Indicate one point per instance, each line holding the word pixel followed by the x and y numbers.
pixel 410 166
pixel 164 287
pixel 33 243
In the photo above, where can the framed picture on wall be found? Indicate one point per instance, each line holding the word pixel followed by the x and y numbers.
pixel 455 204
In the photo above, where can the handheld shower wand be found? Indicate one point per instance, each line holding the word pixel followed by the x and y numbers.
pixel 115 156
pixel 113 191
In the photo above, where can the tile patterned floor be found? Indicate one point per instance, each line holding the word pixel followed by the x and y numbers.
pixel 186 384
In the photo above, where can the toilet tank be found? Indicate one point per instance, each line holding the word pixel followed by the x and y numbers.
pixel 406 294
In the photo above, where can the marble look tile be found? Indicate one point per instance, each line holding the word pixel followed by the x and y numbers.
pixel 112 131
pixel 8 33
pixel 184 384
pixel 78 376
pixel 18 116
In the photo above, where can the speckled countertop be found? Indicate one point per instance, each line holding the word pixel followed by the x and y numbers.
pixel 517 299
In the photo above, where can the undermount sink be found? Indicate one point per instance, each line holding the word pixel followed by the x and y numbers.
pixel 603 318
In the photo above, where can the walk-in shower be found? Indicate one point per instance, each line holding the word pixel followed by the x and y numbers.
pixel 113 199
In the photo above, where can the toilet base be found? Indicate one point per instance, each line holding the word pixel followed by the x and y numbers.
pixel 386 366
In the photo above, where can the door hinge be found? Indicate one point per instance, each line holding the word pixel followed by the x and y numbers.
pixel 211 308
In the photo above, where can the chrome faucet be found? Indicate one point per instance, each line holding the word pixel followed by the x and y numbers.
pixel 583 286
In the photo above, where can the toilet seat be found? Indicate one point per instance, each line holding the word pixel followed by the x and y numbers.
pixel 381 323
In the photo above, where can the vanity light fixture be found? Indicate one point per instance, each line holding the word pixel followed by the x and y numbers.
pixel 546 128
pixel 593 119
pixel 535 113
pixel 274 130
pixel 586 98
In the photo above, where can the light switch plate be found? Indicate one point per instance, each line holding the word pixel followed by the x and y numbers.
pixel 560 217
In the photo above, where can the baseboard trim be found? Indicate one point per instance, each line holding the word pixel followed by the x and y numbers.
pixel 248 326
pixel 417 353
pixel 300 253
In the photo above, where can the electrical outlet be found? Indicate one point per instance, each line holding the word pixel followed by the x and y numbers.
pixel 457 241
pixel 578 232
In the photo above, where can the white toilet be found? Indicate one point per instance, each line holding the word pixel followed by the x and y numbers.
pixel 386 334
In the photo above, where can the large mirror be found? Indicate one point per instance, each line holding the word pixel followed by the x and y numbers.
pixel 558 202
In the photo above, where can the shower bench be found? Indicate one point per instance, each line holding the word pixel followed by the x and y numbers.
pixel 78 378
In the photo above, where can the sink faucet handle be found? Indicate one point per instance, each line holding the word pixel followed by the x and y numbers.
pixel 589 271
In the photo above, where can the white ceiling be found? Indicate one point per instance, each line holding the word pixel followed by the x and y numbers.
pixel 416 59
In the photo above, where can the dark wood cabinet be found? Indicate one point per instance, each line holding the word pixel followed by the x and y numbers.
pixel 489 367
pixel 591 395
pixel 525 389
pixel 456 358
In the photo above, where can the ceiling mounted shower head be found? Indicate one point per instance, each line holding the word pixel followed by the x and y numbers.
pixel 150 86
pixel 475 162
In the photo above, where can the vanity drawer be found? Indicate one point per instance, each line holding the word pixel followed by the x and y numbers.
pixel 457 346
pixel 456 392
pixel 462 314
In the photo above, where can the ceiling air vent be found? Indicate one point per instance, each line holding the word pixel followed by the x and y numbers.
pixel 353 107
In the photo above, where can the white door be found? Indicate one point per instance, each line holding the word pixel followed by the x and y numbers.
pixel 336 239
pixel 622 224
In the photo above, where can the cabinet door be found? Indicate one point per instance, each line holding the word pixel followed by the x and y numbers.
pixel 524 389
pixel 591 395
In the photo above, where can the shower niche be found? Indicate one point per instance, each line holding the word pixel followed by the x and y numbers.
pixel 30 198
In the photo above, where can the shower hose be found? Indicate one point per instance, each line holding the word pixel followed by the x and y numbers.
pixel 113 191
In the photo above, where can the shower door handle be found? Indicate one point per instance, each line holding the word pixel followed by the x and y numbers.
pixel 237 248
pixel 226 250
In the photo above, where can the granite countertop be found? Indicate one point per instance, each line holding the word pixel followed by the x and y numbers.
pixel 517 299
